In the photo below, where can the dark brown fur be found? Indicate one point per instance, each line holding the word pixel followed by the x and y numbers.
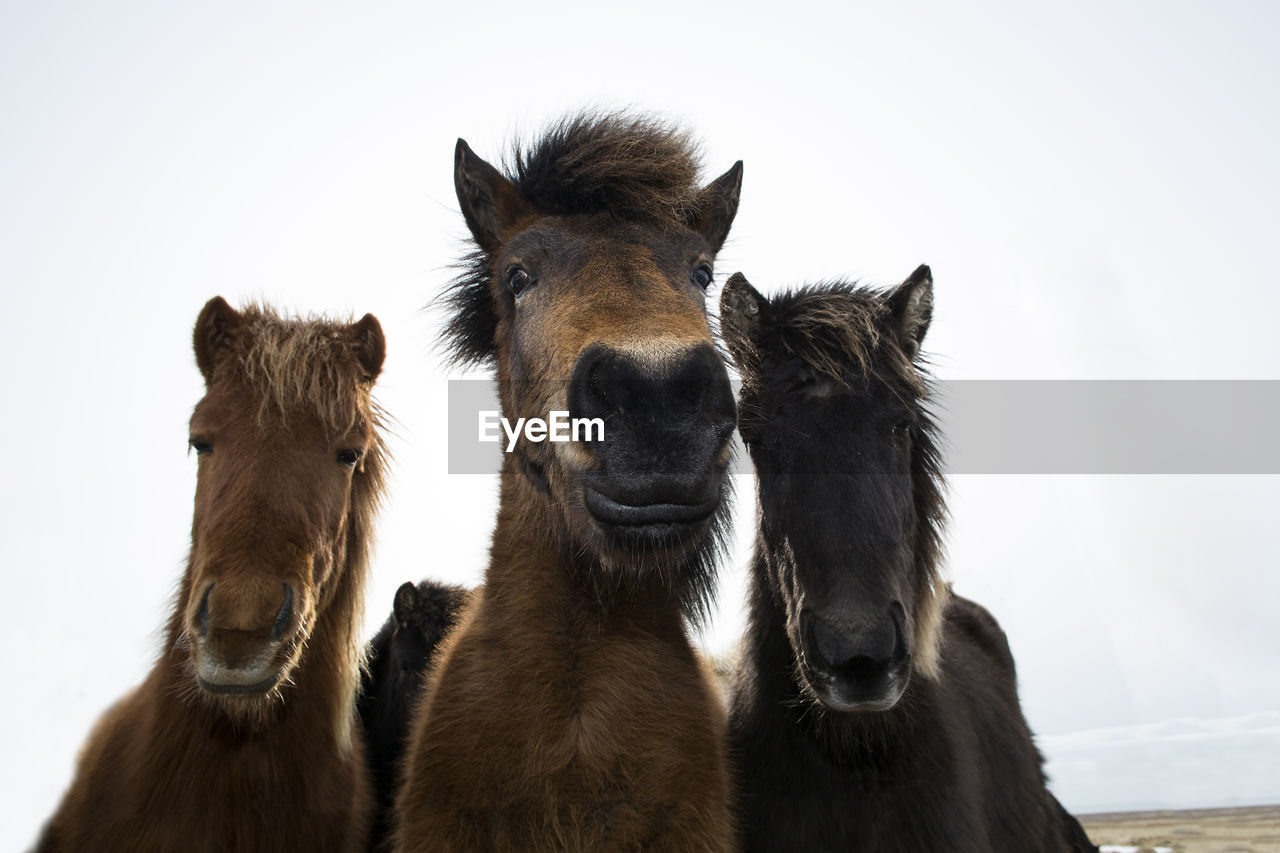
pixel 176 766
pixel 568 711
pixel 397 660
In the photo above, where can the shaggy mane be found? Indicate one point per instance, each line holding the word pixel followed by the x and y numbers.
pixel 839 328
pixel 304 363
pixel 310 364
pixel 635 168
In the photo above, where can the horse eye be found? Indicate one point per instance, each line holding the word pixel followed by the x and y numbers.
pixel 519 280
pixel 200 447
pixel 902 430
pixel 349 457
pixel 701 276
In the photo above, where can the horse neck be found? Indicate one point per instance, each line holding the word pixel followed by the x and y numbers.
pixel 320 700
pixel 537 576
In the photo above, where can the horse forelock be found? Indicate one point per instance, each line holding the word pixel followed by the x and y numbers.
pixel 303 365
pixel 308 365
pixel 842 330
pixel 633 167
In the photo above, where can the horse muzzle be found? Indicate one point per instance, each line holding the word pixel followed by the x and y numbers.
pixel 235 660
pixel 863 667
pixel 661 465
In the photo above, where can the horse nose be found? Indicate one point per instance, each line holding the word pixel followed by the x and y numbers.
pixel 692 388
pixel 242 607
pixel 862 653
pixel 242 626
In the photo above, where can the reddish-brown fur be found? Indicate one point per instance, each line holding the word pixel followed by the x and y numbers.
pixel 176 766
pixel 568 711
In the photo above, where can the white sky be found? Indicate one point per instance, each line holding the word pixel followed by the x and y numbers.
pixel 1092 184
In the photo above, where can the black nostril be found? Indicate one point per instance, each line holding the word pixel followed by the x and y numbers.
pixel 863 668
pixel 202 616
pixel 588 397
pixel 284 616
pixel 694 376
pixel 860 653
pixel 613 384
pixel 605 386
pixel 829 647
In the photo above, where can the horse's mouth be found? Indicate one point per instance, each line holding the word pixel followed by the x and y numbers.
pixel 650 518
pixel 853 695
pixel 258 688
pixel 256 676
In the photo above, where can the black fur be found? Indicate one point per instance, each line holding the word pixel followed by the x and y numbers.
pixel 397 661
pixel 833 413
pixel 1077 839
pixel 473 320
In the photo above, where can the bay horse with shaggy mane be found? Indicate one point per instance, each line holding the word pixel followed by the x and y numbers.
pixel 568 710
pixel 872 709
pixel 244 735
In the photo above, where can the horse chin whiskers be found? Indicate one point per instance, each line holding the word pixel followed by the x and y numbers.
pixel 809 696
pixel 251 710
pixel 613 572
pixel 242 704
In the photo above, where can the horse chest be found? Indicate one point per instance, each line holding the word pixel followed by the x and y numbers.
pixel 891 791
pixel 181 796
pixel 604 715
pixel 582 745
pixel 820 809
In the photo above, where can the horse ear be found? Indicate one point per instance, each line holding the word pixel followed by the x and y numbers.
pixel 716 206
pixel 406 602
pixel 911 304
pixel 491 204
pixel 215 327
pixel 370 344
pixel 742 313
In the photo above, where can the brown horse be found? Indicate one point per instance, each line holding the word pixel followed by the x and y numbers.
pixel 244 735
pixel 568 711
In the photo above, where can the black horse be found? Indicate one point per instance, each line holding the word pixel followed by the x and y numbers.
pixel 872 709
pixel 397 659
